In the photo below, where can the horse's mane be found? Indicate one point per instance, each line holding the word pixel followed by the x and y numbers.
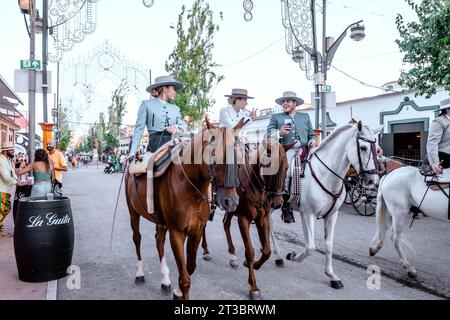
pixel 332 136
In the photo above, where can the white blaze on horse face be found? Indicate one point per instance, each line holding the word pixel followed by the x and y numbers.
pixel 165 272
pixel 140 269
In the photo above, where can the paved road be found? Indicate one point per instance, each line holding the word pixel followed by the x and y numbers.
pixel 110 275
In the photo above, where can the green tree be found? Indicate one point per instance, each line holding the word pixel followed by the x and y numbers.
pixel 116 112
pixel 426 44
pixel 191 61
pixel 64 132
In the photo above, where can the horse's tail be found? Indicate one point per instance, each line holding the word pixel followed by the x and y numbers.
pixel 383 218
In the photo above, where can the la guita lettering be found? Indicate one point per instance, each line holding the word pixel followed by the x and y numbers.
pixel 53 219
pixel 35 221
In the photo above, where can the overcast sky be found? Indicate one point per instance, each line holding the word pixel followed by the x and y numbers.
pixel 252 53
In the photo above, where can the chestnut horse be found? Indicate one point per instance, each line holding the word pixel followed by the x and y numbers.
pixel 261 189
pixel 181 199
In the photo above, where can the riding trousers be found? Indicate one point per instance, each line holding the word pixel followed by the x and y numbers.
pixel 157 139
pixel 290 157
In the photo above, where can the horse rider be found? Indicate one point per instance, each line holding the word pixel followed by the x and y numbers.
pixel 291 127
pixel 231 115
pixel 438 145
pixel 161 117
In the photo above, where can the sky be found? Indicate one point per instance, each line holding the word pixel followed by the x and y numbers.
pixel 252 54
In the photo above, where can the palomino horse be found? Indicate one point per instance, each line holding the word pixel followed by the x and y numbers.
pixel 181 200
pixel 260 192
pixel 322 188
pixel 400 193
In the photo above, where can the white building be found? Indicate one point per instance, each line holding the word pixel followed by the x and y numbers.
pixel 405 120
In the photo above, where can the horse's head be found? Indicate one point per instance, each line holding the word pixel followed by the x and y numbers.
pixel 274 165
pixel 361 152
pixel 223 166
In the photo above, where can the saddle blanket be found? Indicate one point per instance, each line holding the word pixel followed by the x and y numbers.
pixel 444 177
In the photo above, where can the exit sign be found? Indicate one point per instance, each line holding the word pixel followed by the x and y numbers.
pixel 30 64
pixel 325 88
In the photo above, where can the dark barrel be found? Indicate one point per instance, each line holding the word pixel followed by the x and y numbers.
pixel 43 238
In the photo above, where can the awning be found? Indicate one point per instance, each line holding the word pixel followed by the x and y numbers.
pixel 7 98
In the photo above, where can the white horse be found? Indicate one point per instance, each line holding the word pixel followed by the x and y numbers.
pixel 401 192
pixel 321 197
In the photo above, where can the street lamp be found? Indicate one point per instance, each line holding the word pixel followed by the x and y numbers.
pixel 299 20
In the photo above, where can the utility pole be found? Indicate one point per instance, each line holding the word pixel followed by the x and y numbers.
pixel 324 69
pixel 32 87
pixel 316 66
pixel 44 56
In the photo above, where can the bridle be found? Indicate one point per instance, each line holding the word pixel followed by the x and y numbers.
pixel 362 171
pixel 261 186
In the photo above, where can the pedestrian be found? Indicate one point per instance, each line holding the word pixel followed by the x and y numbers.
pixel 291 127
pixel 438 145
pixel 8 179
pixel 159 115
pixel 22 189
pixel 59 165
pixel 42 171
pixel 231 115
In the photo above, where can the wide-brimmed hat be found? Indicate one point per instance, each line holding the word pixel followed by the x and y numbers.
pixel 289 95
pixel 445 104
pixel 165 81
pixel 6 145
pixel 239 93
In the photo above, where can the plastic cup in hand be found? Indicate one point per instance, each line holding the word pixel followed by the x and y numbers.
pixel 50 196
pixel 30 181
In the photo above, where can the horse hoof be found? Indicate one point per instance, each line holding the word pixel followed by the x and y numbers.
pixel 139 281
pixel 207 257
pixel 290 256
pixel 234 264
pixel 279 263
pixel 336 284
pixel 177 297
pixel 412 275
pixel 166 290
pixel 255 295
pixel 372 252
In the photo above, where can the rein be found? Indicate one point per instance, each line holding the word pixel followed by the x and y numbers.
pixel 335 196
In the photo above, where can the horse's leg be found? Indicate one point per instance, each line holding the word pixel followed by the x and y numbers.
pixel 134 219
pixel 244 227
pixel 329 224
pixel 191 249
pixel 206 255
pixel 177 240
pixel 263 226
pixel 397 229
pixel 382 217
pixel 160 237
pixel 231 250
pixel 308 231
pixel 279 262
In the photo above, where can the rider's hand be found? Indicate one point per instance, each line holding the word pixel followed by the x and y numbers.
pixel 285 129
pixel 130 158
pixel 253 113
pixel 312 144
pixel 171 129
pixel 437 168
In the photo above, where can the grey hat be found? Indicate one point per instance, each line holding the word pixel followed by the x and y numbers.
pixel 445 104
pixel 289 95
pixel 239 93
pixel 165 81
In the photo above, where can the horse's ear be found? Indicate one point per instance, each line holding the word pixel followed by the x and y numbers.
pixel 377 130
pixel 359 126
pixel 209 125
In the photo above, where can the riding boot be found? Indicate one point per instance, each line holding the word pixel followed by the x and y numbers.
pixel 287 214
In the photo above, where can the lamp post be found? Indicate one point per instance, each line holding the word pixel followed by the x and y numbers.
pixel 28 7
pixel 299 20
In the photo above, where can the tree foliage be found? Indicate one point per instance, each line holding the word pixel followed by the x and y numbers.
pixel 191 61
pixel 426 44
pixel 64 132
